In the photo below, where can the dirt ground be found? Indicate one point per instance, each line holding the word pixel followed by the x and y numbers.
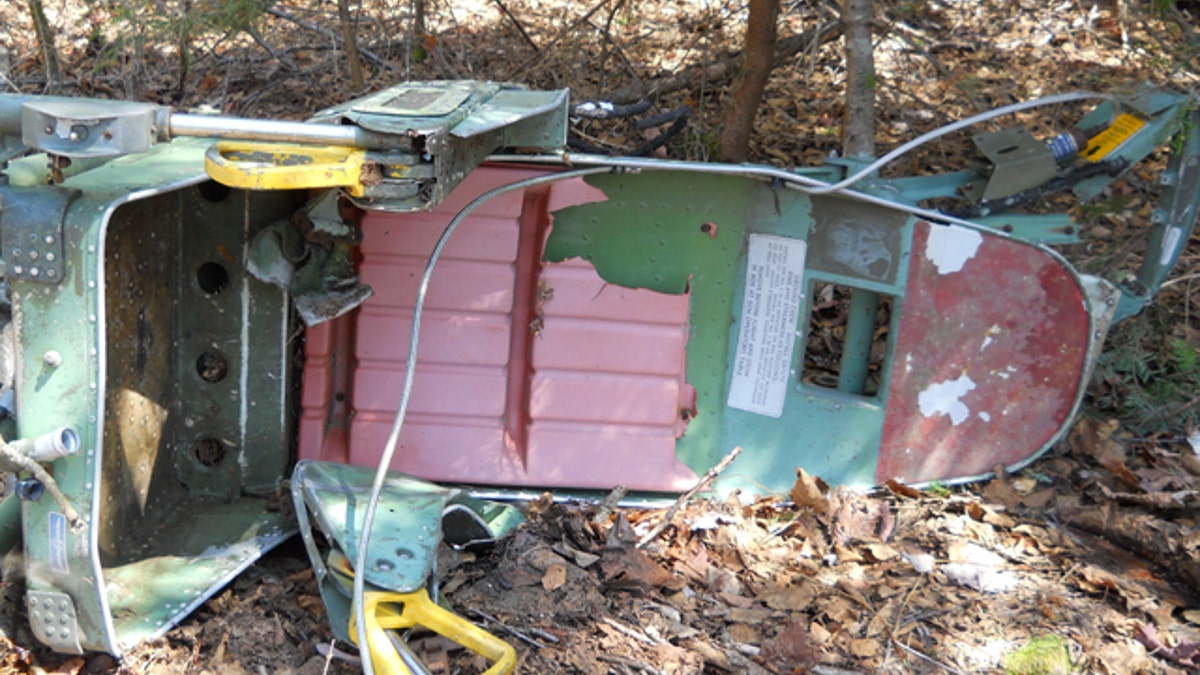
pixel 1086 561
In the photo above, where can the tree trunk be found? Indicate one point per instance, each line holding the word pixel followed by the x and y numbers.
pixel 758 59
pixel 350 45
pixel 45 37
pixel 858 127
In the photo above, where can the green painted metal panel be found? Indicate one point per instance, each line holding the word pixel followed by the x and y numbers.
pixel 654 231
pixel 130 321
pixel 677 232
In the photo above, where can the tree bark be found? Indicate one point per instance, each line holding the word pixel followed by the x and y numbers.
pixel 758 59
pixel 858 126
pixel 350 40
pixel 45 37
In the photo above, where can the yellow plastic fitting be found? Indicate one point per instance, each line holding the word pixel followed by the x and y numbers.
pixel 282 166
pixel 386 611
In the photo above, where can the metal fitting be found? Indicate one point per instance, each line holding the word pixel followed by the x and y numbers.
pixel 50 446
pixel 30 489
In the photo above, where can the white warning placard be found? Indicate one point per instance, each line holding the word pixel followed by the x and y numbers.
pixel 767 336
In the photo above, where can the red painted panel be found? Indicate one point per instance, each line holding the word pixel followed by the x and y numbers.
pixel 527 375
pixel 446 337
pixel 609 347
pixel 457 285
pixel 989 355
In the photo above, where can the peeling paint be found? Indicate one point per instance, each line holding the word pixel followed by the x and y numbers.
pixel 985 417
pixel 950 247
pixel 987 337
pixel 945 398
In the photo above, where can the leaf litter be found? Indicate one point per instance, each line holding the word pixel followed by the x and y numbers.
pixel 1095 543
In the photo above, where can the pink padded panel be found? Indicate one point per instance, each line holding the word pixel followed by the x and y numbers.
pixel 528 374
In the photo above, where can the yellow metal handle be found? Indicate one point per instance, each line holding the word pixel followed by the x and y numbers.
pixel 282 166
pixel 392 611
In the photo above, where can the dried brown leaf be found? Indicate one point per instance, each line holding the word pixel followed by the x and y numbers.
pixel 901 490
pixel 809 492
pixel 794 598
pixel 881 552
pixel 632 569
pixel 790 651
pixel 1092 438
pixel 555 577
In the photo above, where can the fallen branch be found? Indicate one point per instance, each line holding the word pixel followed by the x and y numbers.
pixel 1161 542
pixel 1179 499
pixel 687 496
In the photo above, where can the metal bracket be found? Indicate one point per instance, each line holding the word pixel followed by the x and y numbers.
pixel 31 231
pixel 442 131
pixel 83 128
pixel 1018 161
pixel 52 617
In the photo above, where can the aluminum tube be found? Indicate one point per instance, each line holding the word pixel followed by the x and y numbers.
pixel 237 128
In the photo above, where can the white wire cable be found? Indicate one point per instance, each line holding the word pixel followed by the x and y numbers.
pixel 956 126
pixel 360 561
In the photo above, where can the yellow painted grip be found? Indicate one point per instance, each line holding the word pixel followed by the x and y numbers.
pixel 392 611
pixel 283 166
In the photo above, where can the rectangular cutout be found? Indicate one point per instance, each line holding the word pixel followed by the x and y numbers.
pixel 846 342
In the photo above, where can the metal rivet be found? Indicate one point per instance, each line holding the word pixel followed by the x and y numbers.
pixel 49 239
pixel 33 255
pixel 52 358
pixel 33 271
pixel 18 269
pixel 50 257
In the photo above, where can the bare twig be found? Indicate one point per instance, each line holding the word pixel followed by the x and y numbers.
pixel 516 74
pixel 630 632
pixel 610 502
pixel 1177 280
pixel 927 659
pixel 630 663
pixel 507 628
pixel 687 496
pixel 520 29
pixel 325 32
pixel 278 56
pixel 725 68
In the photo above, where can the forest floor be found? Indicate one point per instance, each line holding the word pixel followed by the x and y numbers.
pixel 1087 561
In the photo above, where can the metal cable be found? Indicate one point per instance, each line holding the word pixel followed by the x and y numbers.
pixel 360 562
pixel 955 126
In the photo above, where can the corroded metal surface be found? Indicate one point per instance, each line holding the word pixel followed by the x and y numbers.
pixel 989 359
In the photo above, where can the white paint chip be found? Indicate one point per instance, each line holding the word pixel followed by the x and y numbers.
pixel 944 398
pixel 950 247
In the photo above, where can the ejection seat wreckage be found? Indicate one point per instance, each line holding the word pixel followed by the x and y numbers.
pixel 584 322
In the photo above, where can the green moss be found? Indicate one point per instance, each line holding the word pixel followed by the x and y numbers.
pixel 1041 656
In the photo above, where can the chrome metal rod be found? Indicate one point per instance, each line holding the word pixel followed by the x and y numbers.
pixel 237 128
